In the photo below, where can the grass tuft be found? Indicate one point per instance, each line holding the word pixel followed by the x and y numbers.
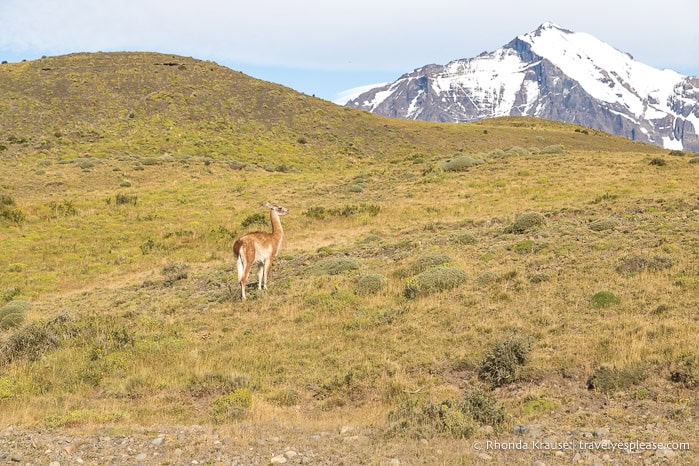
pixel 333 266
pixel 13 314
pixel 434 280
pixel 603 299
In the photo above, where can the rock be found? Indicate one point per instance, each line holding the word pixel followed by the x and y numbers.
pixel 279 459
pixel 314 437
pixel 157 441
pixel 538 463
pixel 484 457
pixel 141 457
pixel 52 463
pixel 346 429
pixel 290 454
pixel 519 429
pixel 177 452
pixel 394 462
pixel 79 460
pixel 601 432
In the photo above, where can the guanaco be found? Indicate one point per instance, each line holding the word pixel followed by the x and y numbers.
pixel 259 247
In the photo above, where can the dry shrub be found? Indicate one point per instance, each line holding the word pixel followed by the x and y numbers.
pixel 434 280
pixel 503 361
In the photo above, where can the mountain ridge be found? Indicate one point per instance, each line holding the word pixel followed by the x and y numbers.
pixel 551 73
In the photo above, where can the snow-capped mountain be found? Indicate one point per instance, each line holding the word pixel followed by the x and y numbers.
pixel 551 73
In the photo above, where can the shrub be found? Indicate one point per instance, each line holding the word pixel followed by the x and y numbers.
pixel 677 153
pixel 356 188
pixel 8 211
pixel 658 162
pixel 686 371
pixel 7 388
pixel 486 278
pixel 333 266
pixel 423 263
pixel 208 384
pixel 694 159
pixel 603 224
pixel 460 163
pixel 484 408
pixel 321 213
pixel 452 418
pixel 636 264
pixel 125 199
pixel 13 313
pixel 608 379
pixel 465 238
pixel 604 299
pixel 434 280
pixel 255 219
pixel 516 150
pixel 173 273
pixel 526 221
pixel 285 397
pixel 503 361
pixel 371 283
pixel 62 209
pixel 231 407
pixel 33 340
pixel 553 149
pixel 419 419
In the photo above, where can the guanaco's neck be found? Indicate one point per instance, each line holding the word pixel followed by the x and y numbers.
pixel 277 231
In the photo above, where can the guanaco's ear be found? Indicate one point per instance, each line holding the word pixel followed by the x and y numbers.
pixel 268 205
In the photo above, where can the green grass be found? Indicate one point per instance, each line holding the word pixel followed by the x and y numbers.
pixel 135 317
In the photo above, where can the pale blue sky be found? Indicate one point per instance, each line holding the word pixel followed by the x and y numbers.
pixel 324 47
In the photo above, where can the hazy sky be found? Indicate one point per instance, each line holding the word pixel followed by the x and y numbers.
pixel 323 47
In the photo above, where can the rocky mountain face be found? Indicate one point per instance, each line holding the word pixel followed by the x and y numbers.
pixel 556 74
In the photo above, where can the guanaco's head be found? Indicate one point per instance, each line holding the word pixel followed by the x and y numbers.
pixel 276 208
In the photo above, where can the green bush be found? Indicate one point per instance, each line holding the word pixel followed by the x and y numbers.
pixel 484 408
pixel 658 162
pixel 526 221
pixel 433 280
pixel 13 313
pixel 604 299
pixel 231 407
pixel 503 361
pixel 371 283
pixel 423 263
pixel 603 224
pixel 255 219
pixel 460 163
pixel 608 379
pixel 694 159
pixel 333 266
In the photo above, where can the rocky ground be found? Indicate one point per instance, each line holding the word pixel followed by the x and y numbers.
pixel 251 444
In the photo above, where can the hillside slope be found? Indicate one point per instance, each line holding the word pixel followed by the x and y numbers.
pixel 110 104
pixel 439 285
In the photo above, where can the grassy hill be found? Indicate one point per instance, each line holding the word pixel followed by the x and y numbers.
pixel 434 280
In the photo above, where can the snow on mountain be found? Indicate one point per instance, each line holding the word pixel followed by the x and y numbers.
pixel 550 73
